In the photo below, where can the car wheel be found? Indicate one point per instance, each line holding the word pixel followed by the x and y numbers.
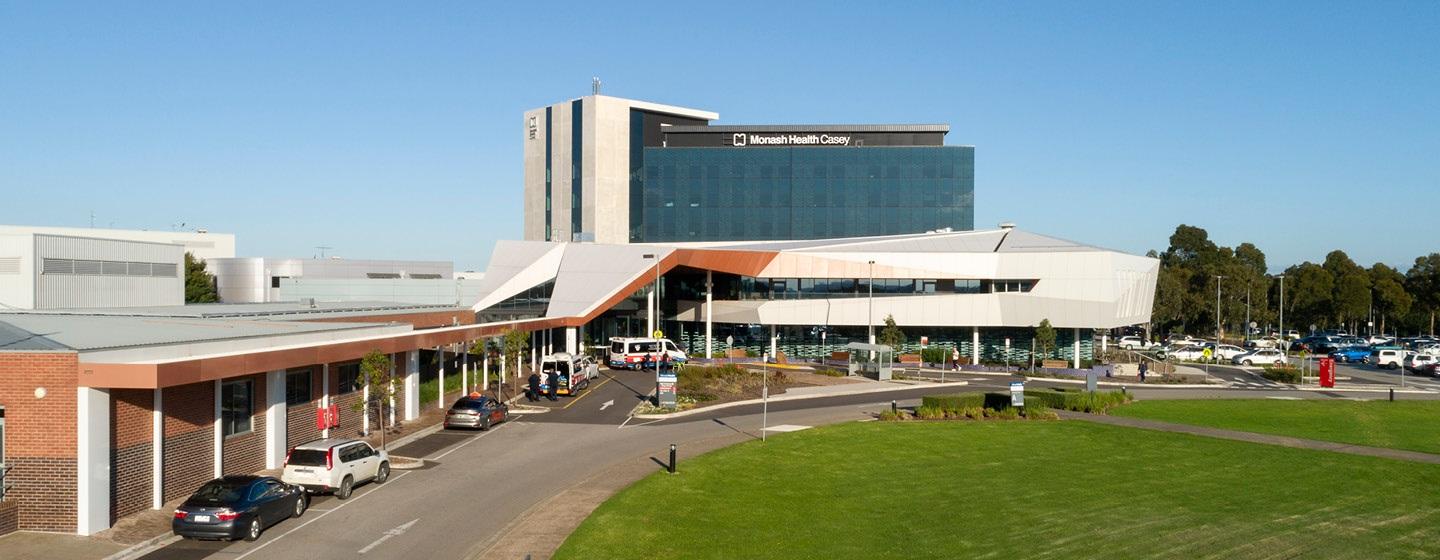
pixel 300 505
pixel 383 474
pixel 346 487
pixel 507 416
pixel 485 425
pixel 1247 363
pixel 253 532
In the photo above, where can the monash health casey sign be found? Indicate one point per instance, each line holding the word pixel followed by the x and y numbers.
pixel 745 139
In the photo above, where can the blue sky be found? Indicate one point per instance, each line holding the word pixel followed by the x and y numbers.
pixel 390 131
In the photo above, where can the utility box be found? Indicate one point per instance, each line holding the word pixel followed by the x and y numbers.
pixel 1327 372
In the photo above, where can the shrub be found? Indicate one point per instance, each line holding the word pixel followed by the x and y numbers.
pixel 1283 374
pixel 1039 411
pixel 1007 413
pixel 935 355
pixel 891 416
pixel 974 413
pixel 955 401
pixel 1097 402
pixel 930 413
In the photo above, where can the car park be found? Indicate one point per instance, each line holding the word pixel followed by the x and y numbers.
pixel 476 411
pixel 1262 356
pixel 237 507
pixel 1351 354
pixel 1226 351
pixel 1263 342
pixel 335 465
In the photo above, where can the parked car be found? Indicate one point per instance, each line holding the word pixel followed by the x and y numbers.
pixel 1351 354
pixel 1133 343
pixel 1227 352
pixel 1262 356
pixel 1263 342
pixel 476 412
pixel 1387 358
pixel 1188 353
pixel 335 465
pixel 238 507
pixel 1292 334
pixel 1418 360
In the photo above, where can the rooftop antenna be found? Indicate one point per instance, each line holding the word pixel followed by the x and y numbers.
pixel 92 219
pixel 595 85
pixel 322 249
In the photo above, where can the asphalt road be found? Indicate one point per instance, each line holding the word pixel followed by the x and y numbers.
pixel 476 483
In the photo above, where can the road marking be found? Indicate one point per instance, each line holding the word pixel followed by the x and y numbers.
pixel 377 488
pixel 786 428
pixel 1284 398
pixel 467 442
pixel 388 534
pixel 587 393
pixel 607 404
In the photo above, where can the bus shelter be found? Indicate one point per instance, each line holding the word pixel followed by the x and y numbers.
pixel 870 359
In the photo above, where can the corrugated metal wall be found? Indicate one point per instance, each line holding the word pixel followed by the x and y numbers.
pixel 61 291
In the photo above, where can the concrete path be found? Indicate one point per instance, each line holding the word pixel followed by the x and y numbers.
pixel 1252 437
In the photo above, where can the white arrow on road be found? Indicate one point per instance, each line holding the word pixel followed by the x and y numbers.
pixel 607 404
pixel 388 534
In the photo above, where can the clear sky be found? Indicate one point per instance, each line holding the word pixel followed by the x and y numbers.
pixel 393 130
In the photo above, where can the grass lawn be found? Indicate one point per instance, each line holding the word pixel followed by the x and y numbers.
pixel 1017 489
pixel 1398 425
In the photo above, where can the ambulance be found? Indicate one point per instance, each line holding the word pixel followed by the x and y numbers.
pixel 640 353
pixel 571 373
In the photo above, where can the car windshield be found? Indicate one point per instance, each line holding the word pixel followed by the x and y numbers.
pixel 308 457
pixel 219 492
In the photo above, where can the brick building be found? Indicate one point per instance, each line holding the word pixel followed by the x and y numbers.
pixel 104 413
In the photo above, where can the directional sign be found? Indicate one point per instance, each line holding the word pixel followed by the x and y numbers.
pixel 607 404
pixel 658 334
pixel 1017 393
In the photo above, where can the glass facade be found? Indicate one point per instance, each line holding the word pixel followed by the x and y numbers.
pixel 723 194
pixel 577 160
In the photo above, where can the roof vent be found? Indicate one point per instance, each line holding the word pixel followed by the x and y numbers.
pixel 1007 225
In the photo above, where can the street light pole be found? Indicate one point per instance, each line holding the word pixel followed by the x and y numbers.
pixel 1218 278
pixel 654 305
pixel 870 317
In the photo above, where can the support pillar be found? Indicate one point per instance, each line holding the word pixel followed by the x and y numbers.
pixel 157 452
pixel 92 460
pixel 709 312
pixel 773 342
pixel 1105 342
pixel 325 394
pixel 412 385
pixel 394 365
pixel 464 368
pixel 975 345
pixel 440 382
pixel 275 422
pixel 485 370
pixel 219 436
pixel 365 409
pixel 572 340
pixel 1075 348
pixel 650 313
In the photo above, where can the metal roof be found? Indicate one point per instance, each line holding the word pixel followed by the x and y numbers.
pixel 685 129
pixel 263 311
pixel 43 331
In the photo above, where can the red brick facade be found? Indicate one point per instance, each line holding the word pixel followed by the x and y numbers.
pixel 244 453
pixel 189 438
pixel 40 437
pixel 131 458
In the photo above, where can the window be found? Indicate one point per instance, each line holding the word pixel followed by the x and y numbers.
pixel 235 407
pixel 297 387
pixel 349 378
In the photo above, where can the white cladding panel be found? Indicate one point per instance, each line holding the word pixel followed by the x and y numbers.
pixel 64 291
pixel 17 270
pixel 203 245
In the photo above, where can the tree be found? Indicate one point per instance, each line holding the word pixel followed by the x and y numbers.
pixel 1423 283
pixel 1351 298
pixel 1045 338
pixel 1391 299
pixel 377 371
pixel 891 335
pixel 1309 291
pixel 513 346
pixel 199 284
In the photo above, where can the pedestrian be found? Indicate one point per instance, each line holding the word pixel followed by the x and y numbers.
pixel 554 381
pixel 1143 368
pixel 532 393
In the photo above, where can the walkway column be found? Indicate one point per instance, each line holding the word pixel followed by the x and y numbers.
pixel 92 460
pixel 365 409
pixel 1104 342
pixel 773 342
pixel 485 369
pixel 394 366
pixel 650 313
pixel 1075 347
pixel 274 419
pixel 440 385
pixel 709 311
pixel 157 453
pixel 325 394
pixel 464 368
pixel 412 385
pixel 975 345
pixel 572 340
pixel 219 436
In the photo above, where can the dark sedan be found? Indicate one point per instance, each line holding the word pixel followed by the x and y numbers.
pixel 476 411
pixel 236 507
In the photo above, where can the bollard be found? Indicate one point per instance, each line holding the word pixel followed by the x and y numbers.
pixel 1392 394
pixel 894 407
pixel 672 458
pixel 1122 389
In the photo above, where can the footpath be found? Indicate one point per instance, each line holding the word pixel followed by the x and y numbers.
pixel 1252 437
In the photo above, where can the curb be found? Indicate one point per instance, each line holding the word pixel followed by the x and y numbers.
pixel 142 548
pixel 1136 385
pixel 1398 391
pixel 783 398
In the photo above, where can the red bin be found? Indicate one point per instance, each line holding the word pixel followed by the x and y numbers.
pixel 1327 372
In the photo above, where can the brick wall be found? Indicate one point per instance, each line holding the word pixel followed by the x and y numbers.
pixel 350 418
pixel 300 418
pixel 131 423
pixel 245 453
pixel 189 438
pixel 9 517
pixel 40 437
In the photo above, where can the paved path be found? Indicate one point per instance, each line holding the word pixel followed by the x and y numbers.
pixel 1252 437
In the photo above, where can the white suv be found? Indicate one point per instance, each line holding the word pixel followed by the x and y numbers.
pixel 335 465
pixel 1132 343
pixel 1387 358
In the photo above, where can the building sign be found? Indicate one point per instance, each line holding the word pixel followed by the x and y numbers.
pixel 665 381
pixel 743 139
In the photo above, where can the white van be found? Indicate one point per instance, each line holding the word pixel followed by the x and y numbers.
pixel 640 353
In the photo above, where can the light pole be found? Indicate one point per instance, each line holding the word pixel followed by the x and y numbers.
pixel 1218 278
pixel 650 310
pixel 870 317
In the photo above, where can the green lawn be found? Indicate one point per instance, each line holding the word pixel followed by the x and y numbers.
pixel 1027 489
pixel 1399 425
